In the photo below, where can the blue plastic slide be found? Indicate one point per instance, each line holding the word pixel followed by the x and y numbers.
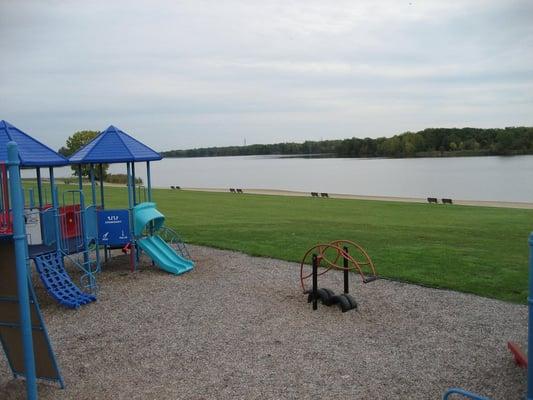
pixel 147 221
pixel 164 256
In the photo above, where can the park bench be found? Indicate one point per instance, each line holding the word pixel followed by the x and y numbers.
pixel 314 194
pixel 447 201
pixel 432 200
pixel 324 194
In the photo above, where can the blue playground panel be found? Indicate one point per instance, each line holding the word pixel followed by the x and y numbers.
pixel 114 227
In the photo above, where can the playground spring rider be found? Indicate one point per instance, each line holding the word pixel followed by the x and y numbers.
pixel 356 260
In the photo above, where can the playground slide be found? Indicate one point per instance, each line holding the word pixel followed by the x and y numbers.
pixel 164 256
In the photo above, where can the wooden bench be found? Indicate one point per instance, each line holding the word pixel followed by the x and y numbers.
pixel 239 191
pixel 447 201
pixel 432 200
pixel 172 187
pixel 314 194
pixel 324 194
pixel 232 190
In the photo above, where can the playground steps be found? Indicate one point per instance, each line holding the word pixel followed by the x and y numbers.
pixel 58 283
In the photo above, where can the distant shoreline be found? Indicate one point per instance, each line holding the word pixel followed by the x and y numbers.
pixel 276 192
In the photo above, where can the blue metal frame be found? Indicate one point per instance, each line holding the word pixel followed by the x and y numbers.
pixel 55 205
pixel 462 393
pixel 19 237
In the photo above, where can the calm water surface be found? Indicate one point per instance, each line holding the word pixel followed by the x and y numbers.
pixel 466 178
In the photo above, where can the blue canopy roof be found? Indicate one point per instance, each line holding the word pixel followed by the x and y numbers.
pixel 32 153
pixel 114 146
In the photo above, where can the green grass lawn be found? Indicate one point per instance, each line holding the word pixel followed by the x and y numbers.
pixel 477 250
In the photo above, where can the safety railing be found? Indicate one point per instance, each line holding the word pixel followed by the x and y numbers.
pixel 174 240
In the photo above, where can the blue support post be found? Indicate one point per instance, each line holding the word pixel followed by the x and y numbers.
pixel 19 236
pixel 133 183
pixel 55 207
pixel 93 192
pixel 39 189
pixel 40 198
pixel 80 178
pixel 93 186
pixel 32 198
pixel 149 180
pixel 130 203
pixel 102 203
pixel 530 323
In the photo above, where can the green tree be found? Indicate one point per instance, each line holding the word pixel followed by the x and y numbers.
pixel 76 142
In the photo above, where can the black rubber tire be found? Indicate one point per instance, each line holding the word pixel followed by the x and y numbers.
pixel 344 303
pixel 325 296
pixel 353 303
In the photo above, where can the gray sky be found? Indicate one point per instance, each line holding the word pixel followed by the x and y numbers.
pixel 181 74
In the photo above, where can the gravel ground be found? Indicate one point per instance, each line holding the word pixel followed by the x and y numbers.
pixel 238 327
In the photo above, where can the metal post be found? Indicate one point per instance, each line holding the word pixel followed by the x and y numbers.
pixel 346 276
pixel 93 186
pixel 102 203
pixel 32 198
pixel 19 237
pixel 55 205
pixel 149 180
pixel 80 178
pixel 130 202
pixel 39 188
pixel 530 323
pixel 93 197
pixel 134 183
pixel 315 282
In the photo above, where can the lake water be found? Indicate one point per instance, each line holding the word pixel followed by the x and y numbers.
pixel 465 178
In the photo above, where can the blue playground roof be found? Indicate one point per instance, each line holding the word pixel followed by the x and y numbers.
pixel 114 146
pixel 32 153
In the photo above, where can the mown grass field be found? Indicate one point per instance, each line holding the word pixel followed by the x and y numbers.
pixel 477 250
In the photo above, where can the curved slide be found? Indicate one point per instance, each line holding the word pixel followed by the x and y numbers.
pixel 163 255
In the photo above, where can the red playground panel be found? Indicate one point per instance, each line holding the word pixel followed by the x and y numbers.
pixel 70 221
pixel 519 357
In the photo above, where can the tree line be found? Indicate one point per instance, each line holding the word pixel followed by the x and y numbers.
pixel 431 142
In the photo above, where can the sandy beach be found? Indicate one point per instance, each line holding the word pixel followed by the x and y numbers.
pixel 274 192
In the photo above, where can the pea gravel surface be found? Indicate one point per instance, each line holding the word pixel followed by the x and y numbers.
pixel 239 327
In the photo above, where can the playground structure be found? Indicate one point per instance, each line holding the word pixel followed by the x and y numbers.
pixel 53 231
pixel 68 228
pixel 48 233
pixel 354 258
pixel 138 227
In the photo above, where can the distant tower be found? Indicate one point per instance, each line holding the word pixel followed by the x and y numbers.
pixel 244 141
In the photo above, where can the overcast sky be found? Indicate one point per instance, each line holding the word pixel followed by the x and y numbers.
pixel 181 74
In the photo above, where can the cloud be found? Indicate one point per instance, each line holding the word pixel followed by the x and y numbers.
pixel 196 73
